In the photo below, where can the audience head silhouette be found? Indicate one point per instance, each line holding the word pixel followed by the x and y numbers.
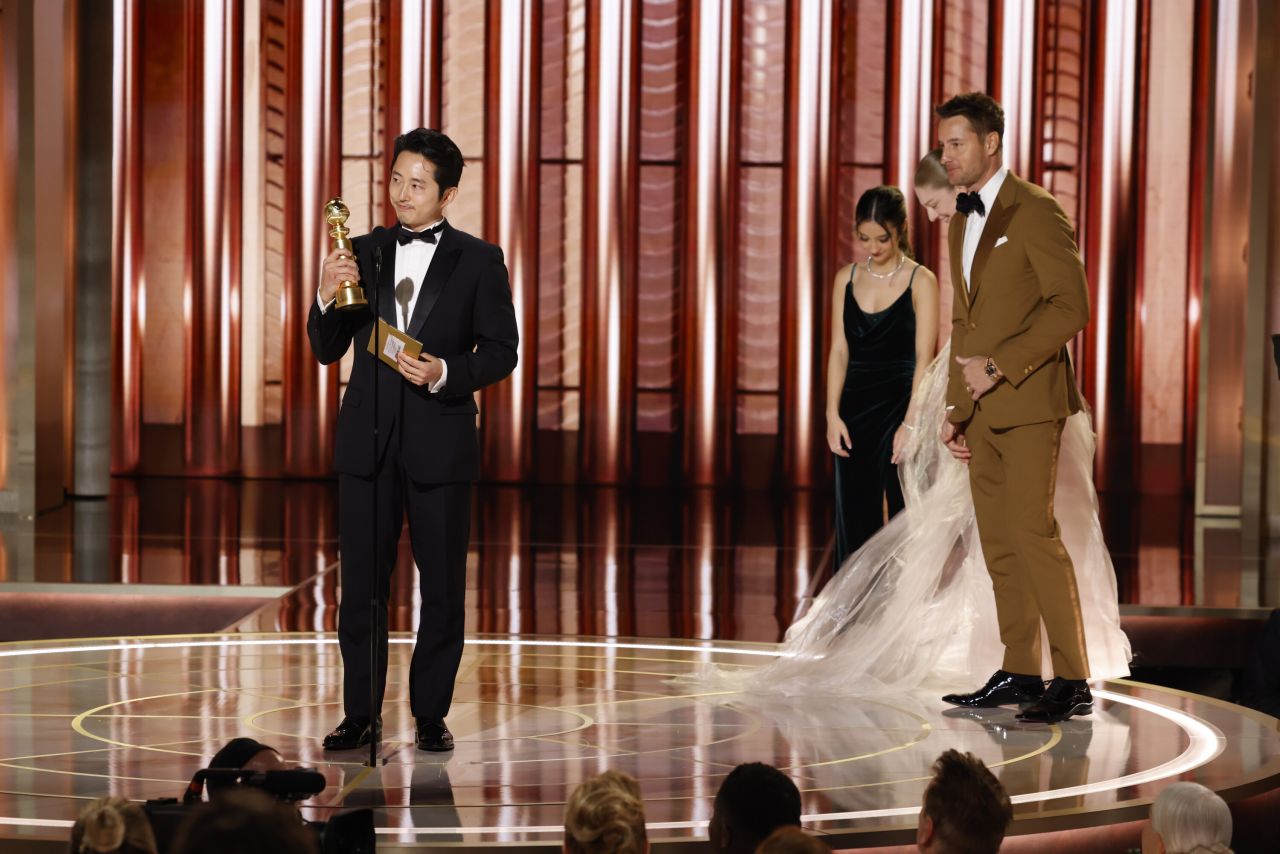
pixel 792 840
pixel 966 810
pixel 244 753
pixel 605 814
pixel 1187 818
pixel 246 821
pixel 112 826
pixel 753 801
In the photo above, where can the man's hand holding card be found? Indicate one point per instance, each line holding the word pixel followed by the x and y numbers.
pixel 405 354
pixel 424 370
pixel 390 343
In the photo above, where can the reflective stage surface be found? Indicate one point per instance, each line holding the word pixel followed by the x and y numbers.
pixel 535 715
pixel 544 559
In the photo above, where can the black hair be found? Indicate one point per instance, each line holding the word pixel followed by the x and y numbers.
pixel 887 208
pixel 246 821
pixel 438 150
pixel 756 799
pixel 984 113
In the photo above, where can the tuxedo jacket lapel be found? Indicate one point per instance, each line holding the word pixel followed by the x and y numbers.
pixel 955 252
pixel 1001 212
pixel 441 270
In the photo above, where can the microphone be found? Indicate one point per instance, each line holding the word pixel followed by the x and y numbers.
pixel 377 235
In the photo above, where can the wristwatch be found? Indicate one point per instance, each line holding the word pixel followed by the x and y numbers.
pixel 992 371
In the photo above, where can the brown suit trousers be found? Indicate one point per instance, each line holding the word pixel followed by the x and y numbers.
pixel 1028 298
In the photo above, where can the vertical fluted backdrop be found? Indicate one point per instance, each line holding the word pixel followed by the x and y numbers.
pixel 672 182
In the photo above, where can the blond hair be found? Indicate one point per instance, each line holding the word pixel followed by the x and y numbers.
pixel 1192 820
pixel 110 825
pixel 930 173
pixel 605 814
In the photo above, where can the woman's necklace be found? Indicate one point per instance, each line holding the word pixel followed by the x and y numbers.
pixel 902 259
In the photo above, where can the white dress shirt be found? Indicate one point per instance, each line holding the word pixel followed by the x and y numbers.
pixel 412 261
pixel 975 222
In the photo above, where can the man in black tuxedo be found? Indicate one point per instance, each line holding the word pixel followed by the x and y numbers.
pixel 448 290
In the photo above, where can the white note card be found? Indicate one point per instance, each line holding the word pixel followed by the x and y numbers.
pixel 392 348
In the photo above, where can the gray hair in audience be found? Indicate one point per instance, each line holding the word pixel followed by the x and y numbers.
pixel 1192 820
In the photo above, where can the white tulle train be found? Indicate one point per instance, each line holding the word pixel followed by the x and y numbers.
pixel 914 606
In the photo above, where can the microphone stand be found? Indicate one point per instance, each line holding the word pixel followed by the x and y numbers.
pixel 375 601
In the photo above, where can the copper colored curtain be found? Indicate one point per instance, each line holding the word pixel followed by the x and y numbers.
pixel 212 394
pixel 126 279
pixel 673 184
pixel 311 164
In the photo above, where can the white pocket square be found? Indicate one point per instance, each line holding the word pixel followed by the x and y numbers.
pixel 1002 241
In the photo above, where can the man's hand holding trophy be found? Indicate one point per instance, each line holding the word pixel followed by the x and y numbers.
pixel 340 277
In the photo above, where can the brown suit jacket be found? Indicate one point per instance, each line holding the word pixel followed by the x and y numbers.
pixel 1028 299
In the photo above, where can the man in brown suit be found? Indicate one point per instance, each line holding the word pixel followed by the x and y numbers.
pixel 1020 296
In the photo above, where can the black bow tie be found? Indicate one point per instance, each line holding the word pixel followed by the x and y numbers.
pixel 405 236
pixel 967 203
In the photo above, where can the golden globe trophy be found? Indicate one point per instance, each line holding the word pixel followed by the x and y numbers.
pixel 350 294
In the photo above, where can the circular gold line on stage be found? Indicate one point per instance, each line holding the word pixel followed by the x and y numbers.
pixel 1205 742
pixel 584 721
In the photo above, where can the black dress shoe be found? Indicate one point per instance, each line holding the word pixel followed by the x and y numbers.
pixel 433 735
pixel 352 733
pixel 1062 700
pixel 1002 689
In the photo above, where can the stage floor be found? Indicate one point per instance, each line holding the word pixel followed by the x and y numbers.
pixel 535 715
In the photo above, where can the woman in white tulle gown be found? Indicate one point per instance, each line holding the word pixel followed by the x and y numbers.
pixel 914 606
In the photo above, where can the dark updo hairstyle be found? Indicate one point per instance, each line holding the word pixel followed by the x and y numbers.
pixel 886 207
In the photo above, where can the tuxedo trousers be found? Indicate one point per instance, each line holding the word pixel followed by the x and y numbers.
pixel 1012 475
pixel 439 517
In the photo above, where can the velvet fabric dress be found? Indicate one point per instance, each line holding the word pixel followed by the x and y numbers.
pixel 877 391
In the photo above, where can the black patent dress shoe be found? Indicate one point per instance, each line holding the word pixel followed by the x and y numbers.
pixel 1062 699
pixel 1002 689
pixel 352 733
pixel 433 735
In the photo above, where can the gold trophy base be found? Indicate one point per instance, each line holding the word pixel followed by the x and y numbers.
pixel 351 297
